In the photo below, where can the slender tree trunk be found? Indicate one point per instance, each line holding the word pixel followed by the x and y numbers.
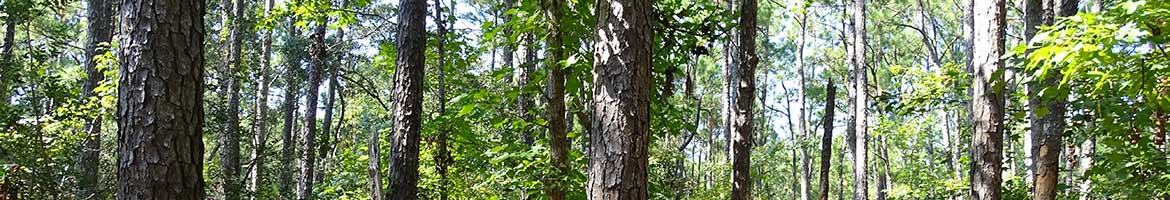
pixel 805 170
pixel 326 126
pixel 408 99
pixel 101 30
pixel 160 106
pixel 988 99
pixel 288 140
pixel 374 169
pixel 729 95
pixel 860 102
pixel 229 139
pixel 557 135
pixel 309 133
pixel 743 123
pixel 260 139
pixel 884 177
pixel 619 146
pixel 827 137
pixel 443 157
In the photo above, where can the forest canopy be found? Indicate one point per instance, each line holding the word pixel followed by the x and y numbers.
pixel 584 99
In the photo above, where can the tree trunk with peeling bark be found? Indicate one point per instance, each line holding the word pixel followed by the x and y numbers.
pixel 987 99
pixel 743 118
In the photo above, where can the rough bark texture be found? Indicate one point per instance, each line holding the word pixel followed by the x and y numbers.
pixel 557 133
pixel 288 141
pixel 860 189
pixel 408 93
pixel 101 30
pixel 160 100
pixel 229 139
pixel 309 133
pixel 260 137
pixel 743 126
pixel 987 99
pixel 618 150
pixel 1048 127
pixel 827 137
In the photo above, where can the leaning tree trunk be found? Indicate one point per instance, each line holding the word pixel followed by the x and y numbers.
pixel 743 122
pixel 101 30
pixel 987 99
pixel 260 139
pixel 160 100
pixel 827 137
pixel 408 93
pixel 621 101
pixel 860 189
pixel 557 133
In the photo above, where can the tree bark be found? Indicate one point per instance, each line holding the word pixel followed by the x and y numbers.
pixel 827 137
pixel 101 30
pixel 443 157
pixel 1048 127
pixel 805 170
pixel 987 99
pixel 860 189
pixel 309 133
pixel 288 140
pixel 229 139
pixel 619 154
pixel 408 93
pixel 743 123
pixel 160 100
pixel 260 139
pixel 557 133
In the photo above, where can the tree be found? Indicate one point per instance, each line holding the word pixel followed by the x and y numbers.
pixel 557 133
pixel 101 30
pixel 827 137
pixel 1047 115
pixel 229 139
pixel 309 133
pixel 408 99
pixel 744 114
pixel 260 139
pixel 987 99
pixel 621 101
pixel 443 157
pixel 288 140
pixel 860 102
pixel 160 100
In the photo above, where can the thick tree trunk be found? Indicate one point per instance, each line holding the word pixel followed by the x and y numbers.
pixel 827 137
pixel 309 133
pixel 860 189
pixel 408 93
pixel 229 139
pixel 160 106
pixel 101 30
pixel 621 101
pixel 288 140
pixel 557 134
pixel 260 139
pixel 987 99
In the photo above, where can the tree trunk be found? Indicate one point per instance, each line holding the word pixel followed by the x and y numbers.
pixel 160 100
pixel 743 123
pixel 288 141
pixel 101 30
pixel 326 126
pixel 1048 127
pixel 260 140
pixel 229 139
pixel 860 102
pixel 987 99
pixel 805 170
pixel 621 101
pixel 309 133
pixel 408 93
pixel 557 135
pixel 827 137
pixel 443 157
